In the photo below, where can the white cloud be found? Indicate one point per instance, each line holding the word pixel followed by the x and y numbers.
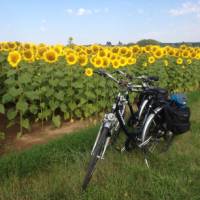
pixel 186 8
pixel 84 11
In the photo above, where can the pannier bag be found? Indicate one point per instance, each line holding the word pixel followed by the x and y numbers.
pixel 179 100
pixel 177 118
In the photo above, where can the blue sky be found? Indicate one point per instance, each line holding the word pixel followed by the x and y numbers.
pixel 99 21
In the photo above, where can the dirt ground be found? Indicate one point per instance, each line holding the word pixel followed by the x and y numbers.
pixel 37 135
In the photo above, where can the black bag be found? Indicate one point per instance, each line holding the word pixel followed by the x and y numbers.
pixel 178 119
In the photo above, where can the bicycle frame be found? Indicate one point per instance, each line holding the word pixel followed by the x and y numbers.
pixel 115 116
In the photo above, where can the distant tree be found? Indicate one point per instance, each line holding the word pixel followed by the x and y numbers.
pixel 108 43
pixel 145 42
pixel 130 44
pixel 120 43
pixel 70 40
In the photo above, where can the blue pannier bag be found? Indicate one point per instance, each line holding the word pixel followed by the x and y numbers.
pixel 177 114
pixel 180 100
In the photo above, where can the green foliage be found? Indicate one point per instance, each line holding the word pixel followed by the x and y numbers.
pixel 56 121
pixel 56 170
pixel 39 91
pixel 145 42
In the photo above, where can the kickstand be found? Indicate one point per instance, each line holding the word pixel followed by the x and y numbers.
pixel 145 158
pixel 146 162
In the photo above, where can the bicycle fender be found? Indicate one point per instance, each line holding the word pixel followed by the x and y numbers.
pixel 150 117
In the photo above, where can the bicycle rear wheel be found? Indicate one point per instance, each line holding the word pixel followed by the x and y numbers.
pixel 95 157
pixel 155 141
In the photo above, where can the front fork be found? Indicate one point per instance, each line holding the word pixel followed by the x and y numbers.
pixel 109 120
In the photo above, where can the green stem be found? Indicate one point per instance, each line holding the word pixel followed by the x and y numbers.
pixel 21 127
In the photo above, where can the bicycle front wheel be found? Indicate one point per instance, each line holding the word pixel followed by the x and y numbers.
pixel 95 157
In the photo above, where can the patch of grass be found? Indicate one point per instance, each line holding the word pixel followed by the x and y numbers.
pixel 55 171
pixel 43 156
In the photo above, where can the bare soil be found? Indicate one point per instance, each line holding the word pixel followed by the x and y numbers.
pixel 37 135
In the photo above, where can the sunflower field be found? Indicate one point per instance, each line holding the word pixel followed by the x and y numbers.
pixel 56 82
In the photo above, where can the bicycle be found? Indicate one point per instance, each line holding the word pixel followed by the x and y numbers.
pixel 112 122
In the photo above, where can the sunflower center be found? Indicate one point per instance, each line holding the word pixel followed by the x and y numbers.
pixel 51 56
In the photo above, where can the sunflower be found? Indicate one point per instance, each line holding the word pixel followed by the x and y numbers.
pixel 27 46
pixel 197 56
pixel 28 56
pixel 40 51
pixel 71 58
pixel 88 71
pixel 147 48
pixel 123 61
pixel 106 62
pixel 83 60
pixel 131 61
pixel 12 46
pixel 186 54
pixel 88 50
pixel 135 49
pixel 115 50
pixel 98 61
pixel 113 56
pixel 179 61
pixel 51 56
pixel 82 53
pixel 151 60
pixel 102 53
pixel 5 46
pixel 177 53
pixel 59 49
pixel 14 57
pixel 171 52
pixel 129 54
pixel 193 54
pixel 158 53
pixel 183 47
pixel 95 48
pixel 115 63
pixel 123 50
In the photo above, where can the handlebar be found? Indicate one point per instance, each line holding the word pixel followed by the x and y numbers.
pixel 143 77
pixel 123 83
pixel 103 73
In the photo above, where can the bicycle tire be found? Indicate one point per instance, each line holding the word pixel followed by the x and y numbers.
pixel 93 160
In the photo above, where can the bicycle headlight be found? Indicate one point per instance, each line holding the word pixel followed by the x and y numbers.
pixel 110 116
